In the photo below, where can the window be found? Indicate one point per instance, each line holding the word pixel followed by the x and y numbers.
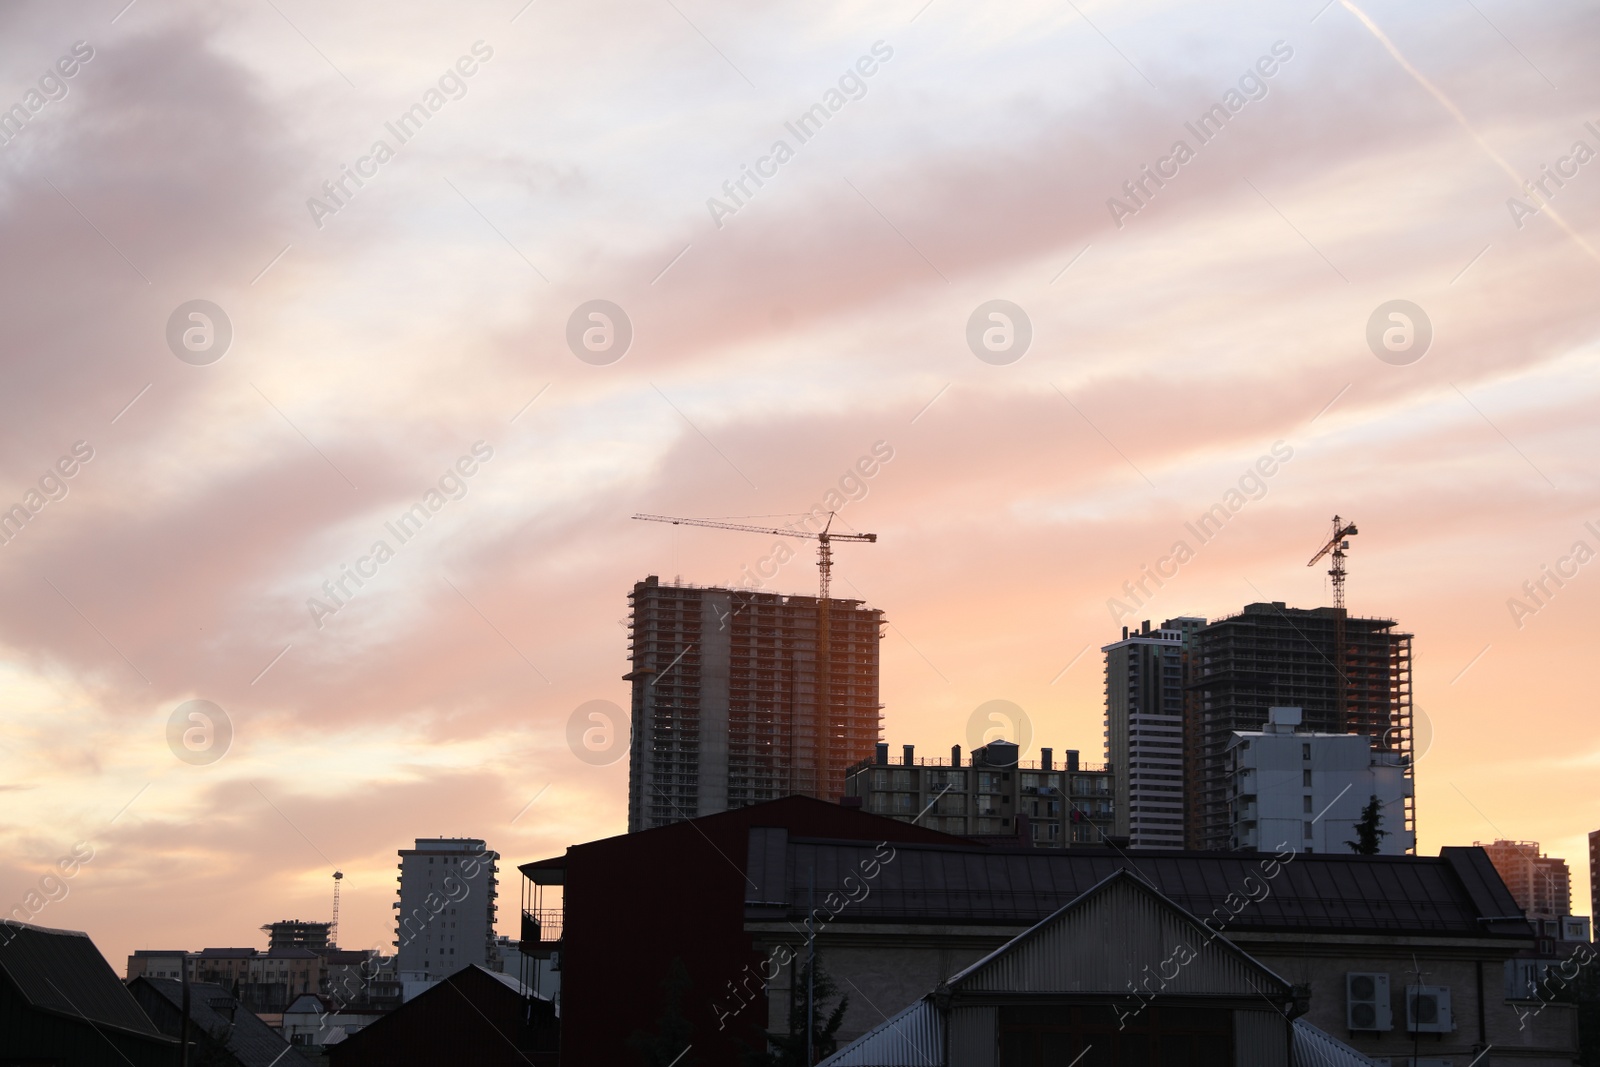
pixel 1308 831
pixel 1305 778
pixel 1305 751
pixel 1307 799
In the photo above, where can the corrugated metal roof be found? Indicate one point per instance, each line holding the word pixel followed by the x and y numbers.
pixel 61 971
pixel 214 1010
pixel 1444 895
pixel 1101 942
pixel 1314 1048
pixel 912 1038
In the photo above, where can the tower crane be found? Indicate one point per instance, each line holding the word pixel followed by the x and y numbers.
pixel 1342 531
pixel 824 539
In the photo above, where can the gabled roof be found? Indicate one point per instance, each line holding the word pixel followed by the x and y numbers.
pixel 214 1010
pixel 61 972
pixel 1100 942
pixel 913 1037
pixel 1314 1048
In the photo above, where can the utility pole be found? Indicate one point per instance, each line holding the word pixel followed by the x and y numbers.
pixel 183 1054
pixel 811 968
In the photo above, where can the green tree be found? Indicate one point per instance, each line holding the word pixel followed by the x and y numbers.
pixel 789 1050
pixel 673 1032
pixel 1369 831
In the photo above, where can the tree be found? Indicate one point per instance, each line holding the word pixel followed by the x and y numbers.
pixel 1369 832
pixel 673 1030
pixel 789 1050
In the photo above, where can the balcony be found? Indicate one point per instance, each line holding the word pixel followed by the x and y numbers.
pixel 541 928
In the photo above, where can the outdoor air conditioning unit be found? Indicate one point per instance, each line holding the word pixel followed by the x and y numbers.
pixel 1367 1002
pixel 1428 1009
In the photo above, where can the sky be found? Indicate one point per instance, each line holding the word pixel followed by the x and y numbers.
pixel 252 372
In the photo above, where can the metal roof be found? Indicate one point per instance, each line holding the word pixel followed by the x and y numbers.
pixel 1314 1048
pixel 1452 894
pixel 913 1037
pixel 60 971
pixel 213 1009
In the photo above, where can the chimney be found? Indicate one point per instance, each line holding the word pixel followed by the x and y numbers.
pixel 883 753
pixel 1124 633
pixel 1144 627
pixel 1072 759
pixel 1044 759
pixel 955 755
pixel 906 754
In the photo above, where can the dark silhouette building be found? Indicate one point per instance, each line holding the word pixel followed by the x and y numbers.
pixel 61 1004
pixel 728 708
pixel 473 1017
pixel 1348 675
pixel 222 1032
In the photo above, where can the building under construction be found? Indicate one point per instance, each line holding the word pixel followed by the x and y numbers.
pixel 728 707
pixel 1349 675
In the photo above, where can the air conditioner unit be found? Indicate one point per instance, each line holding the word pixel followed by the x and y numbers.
pixel 1428 1009
pixel 1367 1002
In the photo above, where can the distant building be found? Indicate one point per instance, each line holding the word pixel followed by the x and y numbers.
pixel 1307 790
pixel 311 1022
pixel 61 1004
pixel 727 708
pixel 446 912
pixel 222 1030
pixel 296 933
pixel 994 795
pixel 1541 884
pixel 1145 675
pixel 538 971
pixel 266 982
pixel 1348 675
pixel 1594 875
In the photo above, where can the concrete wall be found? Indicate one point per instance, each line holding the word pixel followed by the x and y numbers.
pixel 1520 1032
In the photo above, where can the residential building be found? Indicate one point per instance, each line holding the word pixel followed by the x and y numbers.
pixel 61 1004
pixel 297 933
pixel 538 971
pixel 1145 676
pixel 312 1021
pixel 1294 788
pixel 267 981
pixel 1594 875
pixel 223 1031
pixel 446 912
pixel 1042 999
pixel 1042 802
pixel 1541 884
pixel 898 910
pixel 1348 675
pixel 727 706
pixel 474 1016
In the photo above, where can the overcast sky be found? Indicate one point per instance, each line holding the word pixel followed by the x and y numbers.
pixel 383 331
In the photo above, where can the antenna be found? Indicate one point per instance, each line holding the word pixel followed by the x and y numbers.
pixel 333 929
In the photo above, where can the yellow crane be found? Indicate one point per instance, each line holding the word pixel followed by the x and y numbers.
pixel 824 538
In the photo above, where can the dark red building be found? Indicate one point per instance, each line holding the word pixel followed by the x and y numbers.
pixel 636 904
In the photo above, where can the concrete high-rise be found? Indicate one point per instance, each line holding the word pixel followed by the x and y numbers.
pixel 727 706
pixel 446 911
pixel 1145 675
pixel 1594 876
pixel 1541 884
pixel 1348 676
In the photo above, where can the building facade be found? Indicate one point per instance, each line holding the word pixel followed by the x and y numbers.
pixel 1044 803
pixel 1541 884
pixel 728 707
pixel 1145 676
pixel 1594 874
pixel 446 912
pixel 1348 675
pixel 1308 790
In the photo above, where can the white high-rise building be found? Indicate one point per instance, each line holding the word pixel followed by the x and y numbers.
pixel 1144 731
pixel 1307 790
pixel 446 911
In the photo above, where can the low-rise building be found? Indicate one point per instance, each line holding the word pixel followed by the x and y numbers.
pixel 222 1030
pixel 1045 803
pixel 1306 790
